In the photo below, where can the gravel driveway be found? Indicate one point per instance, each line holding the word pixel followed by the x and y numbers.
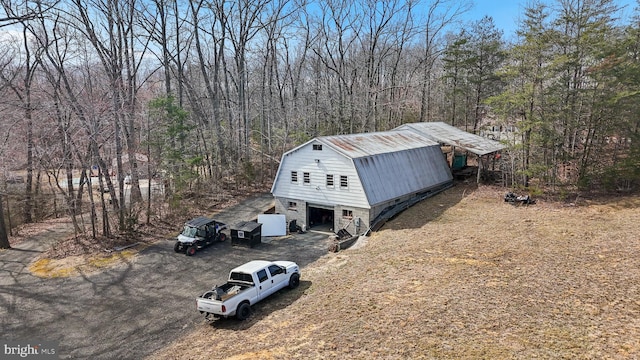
pixel 132 310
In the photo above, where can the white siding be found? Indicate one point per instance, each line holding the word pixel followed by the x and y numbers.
pixel 303 159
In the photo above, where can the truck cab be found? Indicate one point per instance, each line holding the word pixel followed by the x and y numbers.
pixel 267 277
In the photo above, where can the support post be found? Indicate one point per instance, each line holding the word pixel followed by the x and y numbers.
pixel 479 169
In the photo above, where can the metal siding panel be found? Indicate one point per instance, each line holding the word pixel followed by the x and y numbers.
pixel 389 176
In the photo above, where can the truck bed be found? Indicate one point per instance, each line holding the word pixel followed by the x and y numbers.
pixel 226 291
pixel 212 301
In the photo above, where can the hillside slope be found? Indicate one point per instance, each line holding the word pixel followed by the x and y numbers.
pixel 461 275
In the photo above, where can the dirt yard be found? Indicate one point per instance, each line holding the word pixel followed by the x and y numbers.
pixel 462 275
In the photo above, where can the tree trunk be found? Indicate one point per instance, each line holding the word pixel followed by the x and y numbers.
pixel 4 239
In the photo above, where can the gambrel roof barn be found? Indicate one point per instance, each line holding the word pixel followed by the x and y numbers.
pixel 351 181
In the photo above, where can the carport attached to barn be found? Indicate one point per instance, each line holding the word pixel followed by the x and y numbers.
pixel 449 135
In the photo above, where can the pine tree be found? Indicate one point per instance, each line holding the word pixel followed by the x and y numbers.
pixel 523 102
pixel 486 56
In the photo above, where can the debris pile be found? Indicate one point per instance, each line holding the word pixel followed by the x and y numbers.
pixel 518 200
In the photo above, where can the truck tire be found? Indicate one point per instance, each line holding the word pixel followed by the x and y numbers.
pixel 191 250
pixel 294 281
pixel 243 311
pixel 177 247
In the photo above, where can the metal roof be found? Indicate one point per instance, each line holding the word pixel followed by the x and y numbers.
pixel 450 135
pixel 392 164
pixel 392 175
pixel 367 144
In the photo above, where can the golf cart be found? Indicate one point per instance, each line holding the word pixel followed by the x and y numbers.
pixel 199 233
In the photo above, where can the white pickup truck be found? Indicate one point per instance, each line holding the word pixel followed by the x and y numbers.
pixel 248 284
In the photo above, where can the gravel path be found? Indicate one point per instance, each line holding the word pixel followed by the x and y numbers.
pixel 132 310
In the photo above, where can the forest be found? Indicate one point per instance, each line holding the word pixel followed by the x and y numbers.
pixel 204 96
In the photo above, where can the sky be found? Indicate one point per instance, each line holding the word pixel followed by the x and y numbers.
pixel 505 13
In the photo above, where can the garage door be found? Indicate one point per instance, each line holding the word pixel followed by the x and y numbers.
pixel 320 217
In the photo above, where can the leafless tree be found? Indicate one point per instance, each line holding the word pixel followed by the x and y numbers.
pixel 29 65
pixel 438 16
pixel 210 71
pixel 382 19
pixel 77 110
pixel 19 12
pixel 114 40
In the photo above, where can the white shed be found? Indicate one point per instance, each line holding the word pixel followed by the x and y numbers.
pixel 351 181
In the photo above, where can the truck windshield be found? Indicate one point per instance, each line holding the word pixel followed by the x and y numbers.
pixel 241 277
pixel 189 231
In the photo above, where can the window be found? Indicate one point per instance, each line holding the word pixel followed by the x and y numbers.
pixel 294 176
pixel 307 178
pixel 317 147
pixel 241 277
pixel 293 205
pixel 275 270
pixel 344 181
pixel 330 180
pixel 347 214
pixel 262 275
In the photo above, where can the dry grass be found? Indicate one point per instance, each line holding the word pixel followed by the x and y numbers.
pixel 82 255
pixel 78 264
pixel 461 275
pixel 65 255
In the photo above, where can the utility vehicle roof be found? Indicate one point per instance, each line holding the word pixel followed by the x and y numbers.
pixel 199 221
